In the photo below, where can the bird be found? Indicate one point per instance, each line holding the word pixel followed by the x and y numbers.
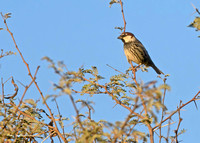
pixel 136 52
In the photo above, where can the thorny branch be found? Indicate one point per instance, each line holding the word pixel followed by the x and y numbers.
pixel 178 109
pixel 179 122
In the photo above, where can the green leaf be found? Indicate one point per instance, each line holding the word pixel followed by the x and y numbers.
pixel 195 23
pixel 31 102
pixel 182 131
pixel 67 91
pixel 165 86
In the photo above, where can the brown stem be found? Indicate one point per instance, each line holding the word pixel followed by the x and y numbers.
pixel 59 115
pixel 129 116
pixel 151 133
pixel 134 69
pixel 75 108
pixel 162 116
pixel 2 86
pixel 168 131
pixel 123 14
pixel 179 122
pixel 127 119
pixel 77 112
pixel 117 70
pixel 135 124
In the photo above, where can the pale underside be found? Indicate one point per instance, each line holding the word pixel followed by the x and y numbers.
pixel 130 57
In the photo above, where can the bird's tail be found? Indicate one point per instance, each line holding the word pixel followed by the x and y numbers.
pixel 156 69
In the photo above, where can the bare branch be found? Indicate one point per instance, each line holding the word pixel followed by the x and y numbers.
pixel 122 10
pixel 162 116
pixel 180 120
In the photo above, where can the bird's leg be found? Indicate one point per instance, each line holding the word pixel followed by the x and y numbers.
pixel 134 67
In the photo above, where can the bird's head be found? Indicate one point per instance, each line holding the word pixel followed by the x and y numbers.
pixel 127 37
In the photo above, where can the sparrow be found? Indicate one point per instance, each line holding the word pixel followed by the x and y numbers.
pixel 136 52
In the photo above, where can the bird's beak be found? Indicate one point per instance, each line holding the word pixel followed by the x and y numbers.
pixel 120 37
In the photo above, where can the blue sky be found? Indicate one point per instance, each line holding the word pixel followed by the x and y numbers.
pixel 82 33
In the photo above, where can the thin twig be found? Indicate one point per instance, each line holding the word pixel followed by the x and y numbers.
pixel 117 70
pixel 130 115
pixel 60 116
pixel 75 108
pixel 27 87
pixel 165 125
pixel 122 10
pixel 16 89
pixel 127 119
pixel 135 124
pixel 2 87
pixel 15 86
pixel 48 136
pixel 180 120
pixel 196 9
pixel 162 116
pixel 168 130
pixel 134 70
pixel 77 112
